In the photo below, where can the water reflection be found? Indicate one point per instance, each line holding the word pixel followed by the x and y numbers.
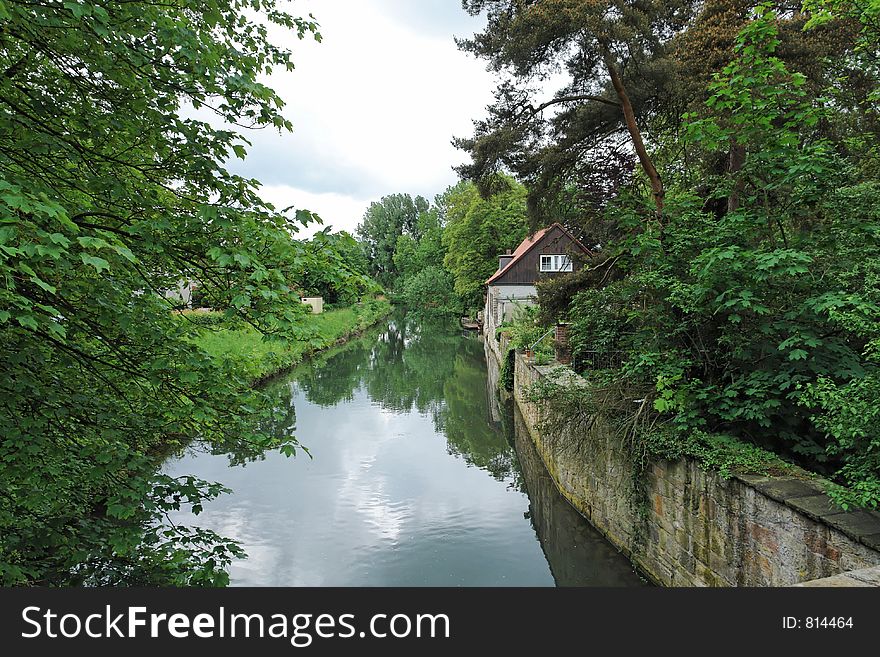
pixel 397 492
pixel 424 365
pixel 577 553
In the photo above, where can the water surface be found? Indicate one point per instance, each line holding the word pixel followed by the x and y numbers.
pixel 411 482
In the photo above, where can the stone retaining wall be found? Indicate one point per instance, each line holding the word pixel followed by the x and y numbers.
pixel 689 526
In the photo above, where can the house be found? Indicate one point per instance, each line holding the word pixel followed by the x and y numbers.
pixel 550 252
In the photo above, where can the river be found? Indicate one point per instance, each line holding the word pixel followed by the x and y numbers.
pixel 410 482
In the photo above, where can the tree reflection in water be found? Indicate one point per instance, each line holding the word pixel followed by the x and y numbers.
pixel 412 363
pixel 409 366
pixel 577 553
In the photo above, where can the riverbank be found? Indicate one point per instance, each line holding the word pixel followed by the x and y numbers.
pixel 258 359
pixel 410 483
pixel 682 523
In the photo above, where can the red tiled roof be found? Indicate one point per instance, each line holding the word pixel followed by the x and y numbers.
pixel 526 246
pixel 521 250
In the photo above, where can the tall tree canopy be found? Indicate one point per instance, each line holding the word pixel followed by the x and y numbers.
pixel 755 316
pixel 338 269
pixel 425 284
pixel 477 231
pixel 383 223
pixel 111 190
pixel 613 54
pixel 630 69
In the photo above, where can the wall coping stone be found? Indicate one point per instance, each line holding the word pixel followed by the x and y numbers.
pixel 858 525
pixel 783 489
pixel 871 540
pixel 817 507
pixel 863 577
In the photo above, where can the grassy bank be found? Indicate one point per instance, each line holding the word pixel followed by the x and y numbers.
pixel 258 359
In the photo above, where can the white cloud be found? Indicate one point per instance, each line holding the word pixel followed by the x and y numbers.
pixel 374 106
pixel 340 211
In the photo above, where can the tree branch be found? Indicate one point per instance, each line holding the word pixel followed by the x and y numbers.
pixel 570 99
pixel 633 128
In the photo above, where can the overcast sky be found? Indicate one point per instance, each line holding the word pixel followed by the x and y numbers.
pixel 374 107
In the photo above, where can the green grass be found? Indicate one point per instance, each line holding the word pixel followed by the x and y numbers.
pixel 257 358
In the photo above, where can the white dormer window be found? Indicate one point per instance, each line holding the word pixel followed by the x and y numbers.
pixel 555 263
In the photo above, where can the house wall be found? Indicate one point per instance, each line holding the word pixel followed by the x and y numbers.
pixel 502 303
pixel 526 269
pixel 315 303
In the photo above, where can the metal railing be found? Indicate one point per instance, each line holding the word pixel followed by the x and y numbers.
pixel 539 340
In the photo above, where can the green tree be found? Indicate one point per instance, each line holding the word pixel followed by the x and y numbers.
pixel 337 269
pixel 613 55
pixel 424 284
pixel 431 291
pixel 383 224
pixel 424 248
pixel 759 322
pixel 477 231
pixel 109 192
pixel 630 70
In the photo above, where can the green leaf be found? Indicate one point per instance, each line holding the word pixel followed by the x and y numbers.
pixel 27 321
pixel 59 238
pixel 93 242
pixel 98 263
pixel 797 354
pixel 124 251
pixel 43 284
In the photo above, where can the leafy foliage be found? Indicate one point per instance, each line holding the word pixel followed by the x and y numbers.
pixel 752 316
pixel 436 258
pixel 111 190
pixel 430 290
pixel 477 231
pixel 613 56
pixel 257 358
pixel 624 72
pixel 524 330
pixel 336 270
pixel 383 224
pixel 404 242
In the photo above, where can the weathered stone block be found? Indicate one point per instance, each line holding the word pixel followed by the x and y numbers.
pixel 855 560
pixel 856 523
pixel 753 480
pixel 684 539
pixel 786 489
pixel 708 576
pixel 835 581
pixel 815 506
pixel 687 562
pixel 763 536
pixel 658 571
pixel 719 541
pixel 867 575
pixel 700 549
pixel 707 509
pixel 722 567
pixel 871 540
